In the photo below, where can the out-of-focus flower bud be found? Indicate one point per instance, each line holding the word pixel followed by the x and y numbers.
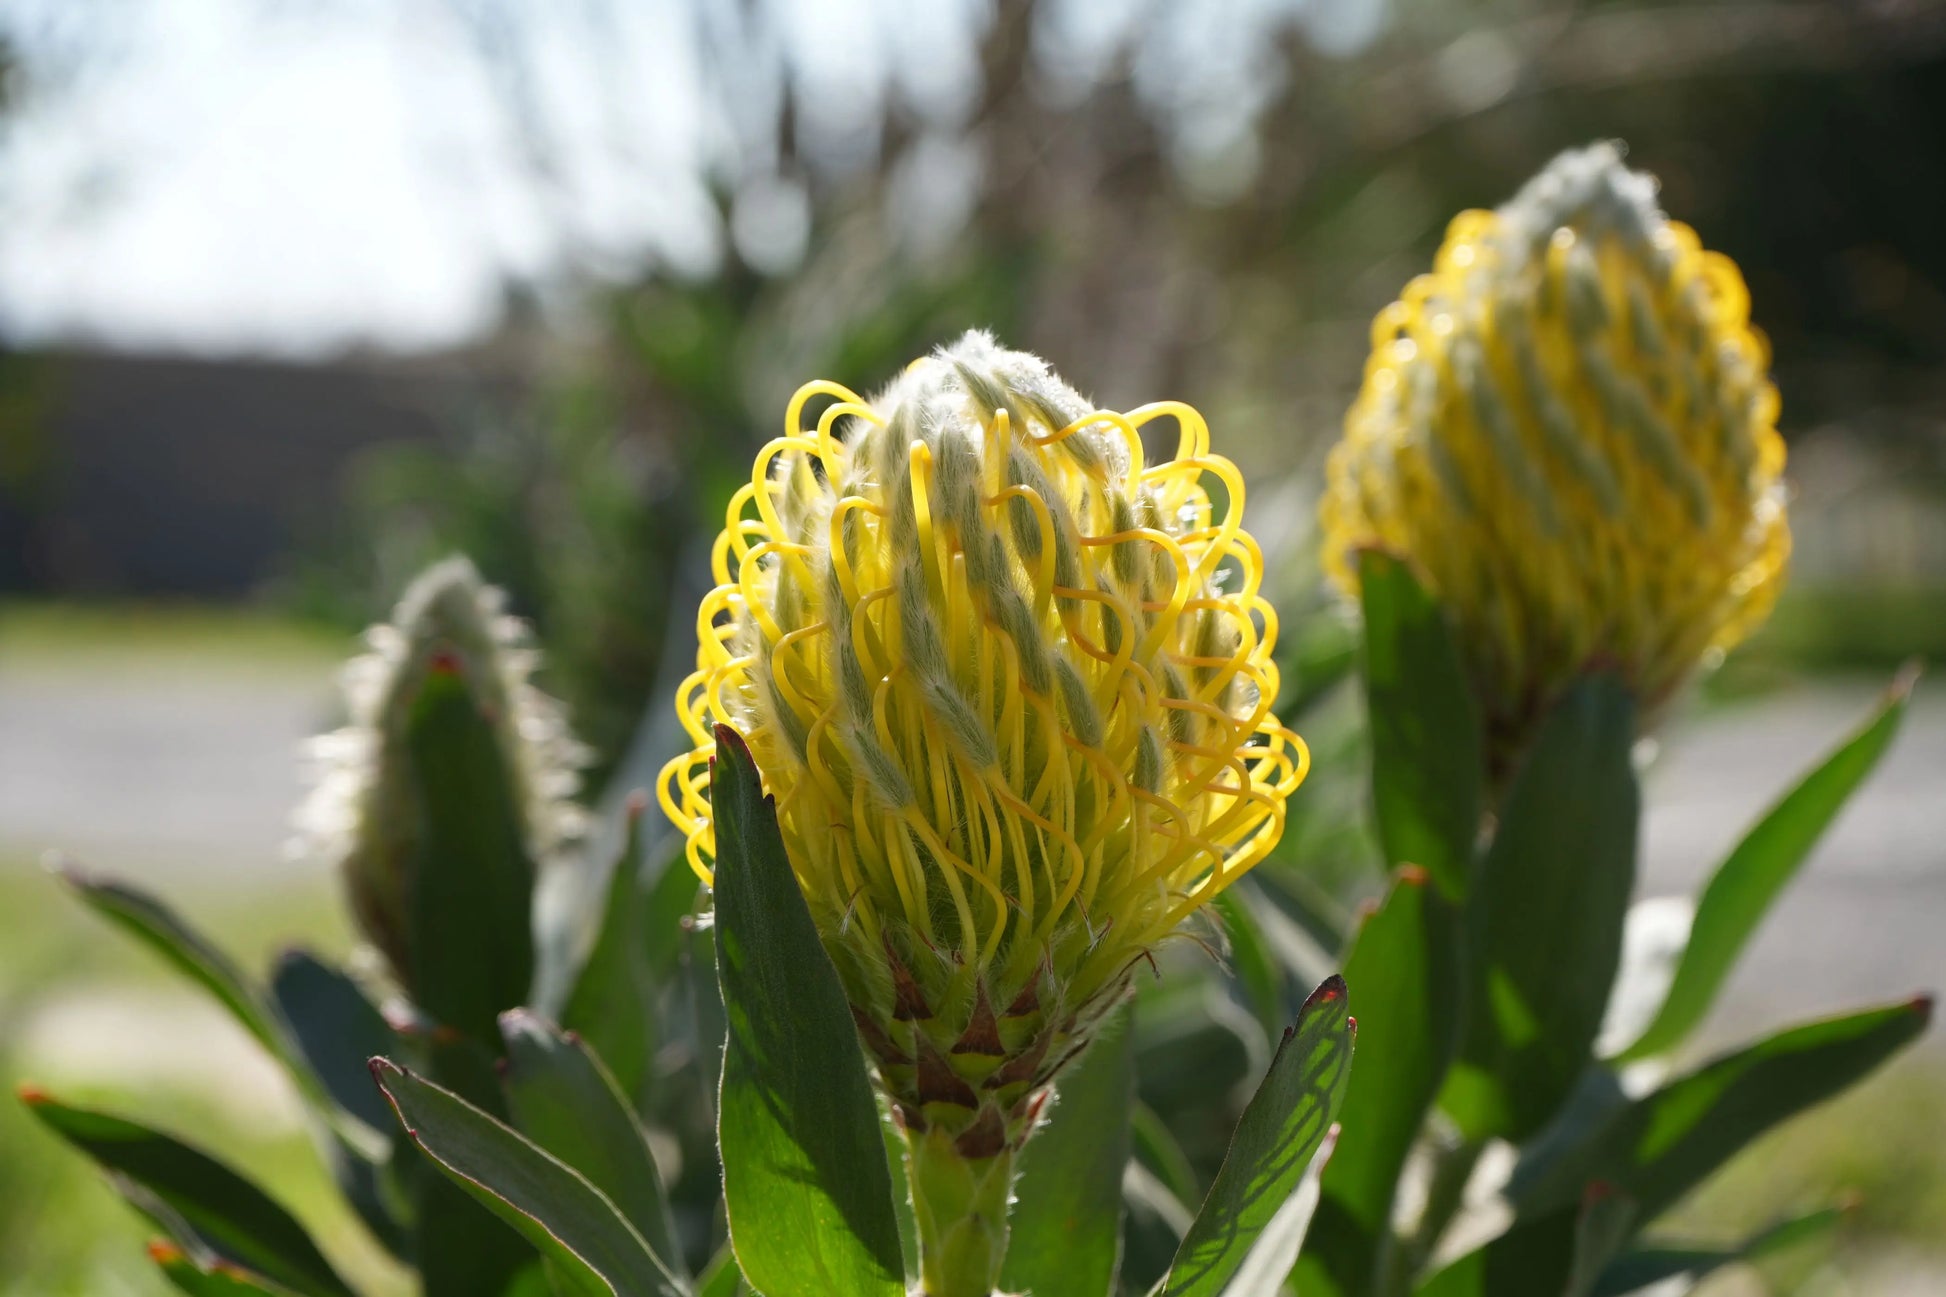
pixel 445 795
pixel 1011 686
pixel 1568 430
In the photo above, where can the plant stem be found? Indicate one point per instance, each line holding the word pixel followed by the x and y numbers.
pixel 960 1206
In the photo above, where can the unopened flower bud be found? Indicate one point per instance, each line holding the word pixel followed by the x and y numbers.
pixel 447 792
pixel 1569 432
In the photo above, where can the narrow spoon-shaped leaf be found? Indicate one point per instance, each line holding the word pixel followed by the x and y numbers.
pixel 1741 891
pixel 562 1097
pixel 1280 1130
pixel 805 1183
pixel 1428 785
pixel 590 1246
pixel 1660 1146
pixel 212 1213
pixel 1405 964
pixel 213 1278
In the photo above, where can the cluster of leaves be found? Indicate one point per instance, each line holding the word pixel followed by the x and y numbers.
pixel 1485 978
pixel 595 1121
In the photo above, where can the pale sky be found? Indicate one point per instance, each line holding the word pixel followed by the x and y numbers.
pixel 258 176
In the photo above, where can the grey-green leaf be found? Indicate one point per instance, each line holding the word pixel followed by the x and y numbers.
pixel 159 928
pixel 1634 1271
pixel 1544 921
pixel 804 1175
pixel 590 1245
pixel 1067 1216
pixel 613 1003
pixel 561 1096
pixel 1280 1130
pixel 336 1029
pixel 209 1277
pixel 1268 1263
pixel 213 1213
pixel 1741 891
pixel 1428 744
pixel 1405 964
pixel 1658 1147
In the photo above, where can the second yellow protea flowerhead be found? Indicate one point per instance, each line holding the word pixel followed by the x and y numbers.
pixel 1568 430
pixel 1011 686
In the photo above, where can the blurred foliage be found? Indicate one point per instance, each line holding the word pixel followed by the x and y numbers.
pixel 1171 208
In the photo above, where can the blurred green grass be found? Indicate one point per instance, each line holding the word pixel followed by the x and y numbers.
pixel 99 1021
pixel 45 633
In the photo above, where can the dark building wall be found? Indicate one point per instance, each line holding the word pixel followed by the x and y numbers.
pixel 134 475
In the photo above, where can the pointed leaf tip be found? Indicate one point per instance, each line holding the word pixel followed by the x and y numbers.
pixel 32 1094
pixel 1331 988
pixel 727 737
pixel 1410 875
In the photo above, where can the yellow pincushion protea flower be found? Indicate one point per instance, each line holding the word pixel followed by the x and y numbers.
pixel 1011 686
pixel 1568 430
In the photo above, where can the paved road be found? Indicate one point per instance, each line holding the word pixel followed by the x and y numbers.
pixel 192 767
pixel 150 770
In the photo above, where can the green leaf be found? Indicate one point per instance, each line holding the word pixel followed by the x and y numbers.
pixel 1658 1147
pixel 1268 1262
pixel 1405 964
pixel 1281 1128
pixel 471 885
pixel 1533 1259
pixel 1428 742
pixel 212 1212
pixel 209 1278
pixel 335 1029
pixel 1741 891
pixel 896 1171
pixel 1156 1148
pixel 1653 1265
pixel 159 928
pixel 1607 1221
pixel 613 1003
pixel 1544 922
pixel 1323 653
pixel 592 1248
pixel 563 1099
pixel 804 1174
pixel 1256 969
pixel 1067 1216
pixel 720 1278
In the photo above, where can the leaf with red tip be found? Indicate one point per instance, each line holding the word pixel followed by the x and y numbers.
pixel 1282 1128
pixel 593 1249
pixel 213 1214
pixel 1405 964
pixel 208 1279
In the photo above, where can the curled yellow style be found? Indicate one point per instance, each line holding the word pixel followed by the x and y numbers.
pixel 1011 685
pixel 1568 430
